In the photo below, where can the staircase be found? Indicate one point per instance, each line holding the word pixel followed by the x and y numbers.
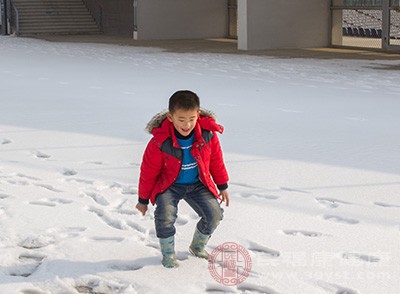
pixel 54 17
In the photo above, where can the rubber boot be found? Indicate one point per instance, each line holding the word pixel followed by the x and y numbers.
pixel 198 245
pixel 168 252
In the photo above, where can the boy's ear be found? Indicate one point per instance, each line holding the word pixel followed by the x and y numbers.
pixel 169 116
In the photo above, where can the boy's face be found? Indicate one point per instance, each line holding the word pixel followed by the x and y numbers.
pixel 184 120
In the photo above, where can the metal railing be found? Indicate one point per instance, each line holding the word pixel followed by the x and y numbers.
pixel 363 4
pixel 14 21
pixel 96 10
pixel 366 23
pixel 135 14
pixel 99 15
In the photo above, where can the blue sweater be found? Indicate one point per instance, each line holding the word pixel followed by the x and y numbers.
pixel 189 173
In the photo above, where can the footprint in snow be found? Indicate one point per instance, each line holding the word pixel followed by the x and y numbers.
pixel 256 289
pixel 31 257
pixel 4 196
pixel 141 229
pixel 215 289
pixel 113 223
pixel 5 141
pixel 69 172
pixel 258 195
pixel 36 242
pixel 127 207
pixel 67 232
pixel 386 205
pixel 293 190
pixel 257 248
pixel 52 202
pixel 336 289
pixel 98 286
pixel 339 219
pixel 125 190
pixel 80 181
pixel 125 266
pixel 27 177
pixel 99 199
pixel 32 291
pixel 302 233
pixel 244 185
pixel 43 203
pixel 108 239
pixel 95 162
pixel 18 182
pixel 361 257
pixel 61 200
pixel 331 202
pixel 84 289
pixel 48 187
pixel 28 265
pixel 41 155
pixel 129 190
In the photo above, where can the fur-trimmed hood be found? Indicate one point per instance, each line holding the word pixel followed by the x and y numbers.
pixel 159 118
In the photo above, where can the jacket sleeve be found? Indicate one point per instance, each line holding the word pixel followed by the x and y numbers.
pixel 217 166
pixel 150 169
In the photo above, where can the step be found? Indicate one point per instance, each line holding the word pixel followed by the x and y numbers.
pixel 51 9
pixel 61 21
pixel 55 25
pixel 58 25
pixel 64 32
pixel 54 16
pixel 31 5
pixel 60 29
pixel 46 14
pixel 47 3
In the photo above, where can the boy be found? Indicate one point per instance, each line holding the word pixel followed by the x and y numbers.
pixel 183 160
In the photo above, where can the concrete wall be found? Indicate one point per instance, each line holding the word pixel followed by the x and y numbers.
pixel 274 24
pixel 337 24
pixel 181 19
pixel 117 15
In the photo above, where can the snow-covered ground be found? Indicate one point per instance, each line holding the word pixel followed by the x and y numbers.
pixel 312 148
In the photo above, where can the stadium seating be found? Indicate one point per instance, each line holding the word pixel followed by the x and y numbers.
pixel 368 23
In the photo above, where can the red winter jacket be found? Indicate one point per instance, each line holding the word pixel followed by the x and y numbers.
pixel 162 157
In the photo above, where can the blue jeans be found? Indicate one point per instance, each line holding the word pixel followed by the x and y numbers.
pixel 198 197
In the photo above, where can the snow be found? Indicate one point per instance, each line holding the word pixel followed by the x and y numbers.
pixel 311 146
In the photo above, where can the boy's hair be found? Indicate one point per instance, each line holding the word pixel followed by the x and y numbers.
pixel 183 99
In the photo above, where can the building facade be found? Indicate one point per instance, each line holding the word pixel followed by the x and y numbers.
pixel 257 24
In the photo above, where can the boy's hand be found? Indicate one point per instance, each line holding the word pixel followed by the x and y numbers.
pixel 142 208
pixel 224 197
